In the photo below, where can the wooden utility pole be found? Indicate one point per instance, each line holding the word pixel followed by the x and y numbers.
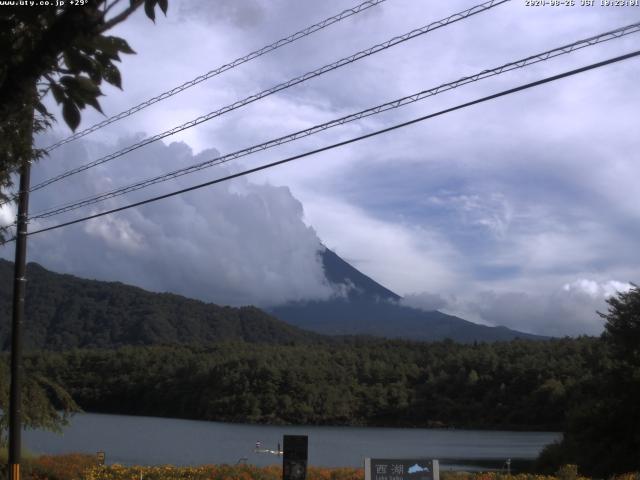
pixel 19 289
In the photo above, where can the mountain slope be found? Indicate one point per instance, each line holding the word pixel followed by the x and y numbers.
pixel 63 311
pixel 359 286
pixel 369 308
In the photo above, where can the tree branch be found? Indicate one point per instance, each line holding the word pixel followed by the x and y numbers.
pixel 67 27
pixel 122 16
pixel 107 8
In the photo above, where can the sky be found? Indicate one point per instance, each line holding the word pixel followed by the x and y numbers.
pixel 522 211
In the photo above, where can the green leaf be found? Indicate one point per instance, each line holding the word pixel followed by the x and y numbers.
pixel 111 46
pixel 122 45
pixel 70 61
pixel 112 75
pixel 81 90
pixel 81 97
pixel 105 45
pixel 42 109
pixel 71 114
pixel 87 85
pixel 85 44
pixel 96 74
pixel 67 81
pixel 58 93
pixel 78 62
pixel 149 9
pixel 164 5
pixel 103 60
pixel 95 104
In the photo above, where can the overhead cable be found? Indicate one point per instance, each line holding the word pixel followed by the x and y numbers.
pixel 346 142
pixel 315 73
pixel 221 69
pixel 530 60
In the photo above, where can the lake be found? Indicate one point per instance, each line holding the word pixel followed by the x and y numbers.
pixel 132 440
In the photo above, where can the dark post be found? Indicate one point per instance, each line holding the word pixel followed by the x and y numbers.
pixel 19 286
pixel 294 458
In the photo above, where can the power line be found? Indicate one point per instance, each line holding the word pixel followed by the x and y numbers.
pixel 533 59
pixel 346 142
pixel 315 73
pixel 221 69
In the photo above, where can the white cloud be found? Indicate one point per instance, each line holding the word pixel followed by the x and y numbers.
pixel 491 211
pixel 117 233
pixel 569 310
pixel 528 193
pixel 400 256
pixel 7 214
pixel 597 289
pixel 233 243
pixel 426 301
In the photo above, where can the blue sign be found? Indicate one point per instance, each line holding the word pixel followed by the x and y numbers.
pixel 401 469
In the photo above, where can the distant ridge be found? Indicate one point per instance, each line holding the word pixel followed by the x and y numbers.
pixel 368 308
pixel 64 311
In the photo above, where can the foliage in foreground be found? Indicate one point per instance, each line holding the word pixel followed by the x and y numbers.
pixel 72 466
pixel 45 404
pixel 82 467
pixel 61 50
pixel 603 429
pixel 215 472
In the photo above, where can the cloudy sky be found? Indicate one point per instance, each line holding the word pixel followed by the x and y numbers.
pixel 522 212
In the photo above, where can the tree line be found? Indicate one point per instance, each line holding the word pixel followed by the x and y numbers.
pixel 586 387
pixel 518 384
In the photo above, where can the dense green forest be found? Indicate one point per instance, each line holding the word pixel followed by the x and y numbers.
pixel 602 426
pixel 64 311
pixel 183 358
pixel 519 384
pixel 586 387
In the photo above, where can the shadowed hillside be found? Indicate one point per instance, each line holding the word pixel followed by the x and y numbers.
pixel 371 309
pixel 63 311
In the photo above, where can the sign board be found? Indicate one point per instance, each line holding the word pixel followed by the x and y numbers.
pixel 294 457
pixel 100 458
pixel 401 469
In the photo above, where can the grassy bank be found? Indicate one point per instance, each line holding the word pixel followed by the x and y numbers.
pixel 83 467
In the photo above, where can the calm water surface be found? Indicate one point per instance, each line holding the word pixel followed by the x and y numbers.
pixel 151 441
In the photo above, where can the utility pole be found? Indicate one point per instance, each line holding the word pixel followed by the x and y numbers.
pixel 19 288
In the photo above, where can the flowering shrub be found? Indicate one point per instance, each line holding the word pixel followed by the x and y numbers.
pixel 214 472
pixel 83 467
pixel 59 467
pixel 274 472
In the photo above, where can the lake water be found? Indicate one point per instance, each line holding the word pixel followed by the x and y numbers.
pixel 152 441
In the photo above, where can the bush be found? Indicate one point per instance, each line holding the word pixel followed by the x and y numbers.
pixel 77 466
pixel 214 472
pixel 551 456
pixel 71 466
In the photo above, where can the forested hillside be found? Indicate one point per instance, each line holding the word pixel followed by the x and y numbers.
pixel 519 384
pixel 64 311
